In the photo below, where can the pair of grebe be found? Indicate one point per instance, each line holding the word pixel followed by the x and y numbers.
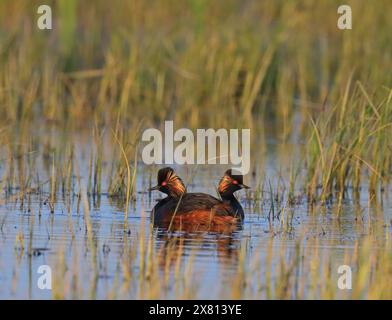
pixel 183 208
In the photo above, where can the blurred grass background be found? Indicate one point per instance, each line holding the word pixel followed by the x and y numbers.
pixel 277 66
pixel 197 61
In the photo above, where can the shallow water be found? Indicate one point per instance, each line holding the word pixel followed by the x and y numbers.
pixel 214 258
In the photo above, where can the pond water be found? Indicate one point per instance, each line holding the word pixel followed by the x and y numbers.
pixel 203 265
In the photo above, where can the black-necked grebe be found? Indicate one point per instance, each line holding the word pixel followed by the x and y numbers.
pixel 182 208
pixel 230 183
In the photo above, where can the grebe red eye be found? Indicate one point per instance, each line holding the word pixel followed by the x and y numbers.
pixel 164 183
pixel 235 182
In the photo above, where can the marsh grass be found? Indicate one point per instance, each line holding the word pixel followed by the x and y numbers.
pixel 342 152
pixel 105 73
pixel 234 72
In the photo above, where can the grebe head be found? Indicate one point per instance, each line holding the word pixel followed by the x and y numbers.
pixel 170 183
pixel 230 183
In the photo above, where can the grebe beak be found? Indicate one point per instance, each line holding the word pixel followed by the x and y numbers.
pixel 244 186
pixel 154 188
